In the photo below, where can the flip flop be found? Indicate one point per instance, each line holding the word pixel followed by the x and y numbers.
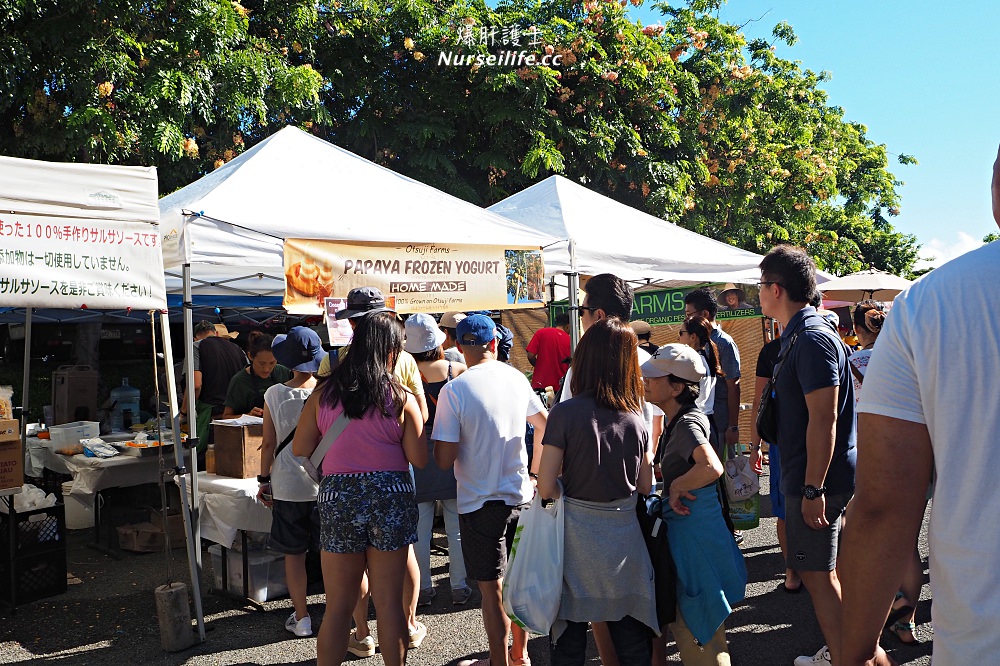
pixel 903 626
pixel 896 614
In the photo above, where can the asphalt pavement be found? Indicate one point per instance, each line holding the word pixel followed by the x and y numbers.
pixel 109 617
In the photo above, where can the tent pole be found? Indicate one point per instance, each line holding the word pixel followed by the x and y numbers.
pixel 26 386
pixel 574 286
pixel 193 545
pixel 192 412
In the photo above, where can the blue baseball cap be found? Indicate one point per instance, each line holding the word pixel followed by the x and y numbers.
pixel 300 350
pixel 475 330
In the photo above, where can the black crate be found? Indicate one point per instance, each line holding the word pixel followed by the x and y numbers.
pixel 35 577
pixel 36 531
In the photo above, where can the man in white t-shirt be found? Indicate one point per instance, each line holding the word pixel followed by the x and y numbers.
pixel 479 428
pixel 930 405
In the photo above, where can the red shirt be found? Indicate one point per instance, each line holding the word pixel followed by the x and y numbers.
pixel 551 346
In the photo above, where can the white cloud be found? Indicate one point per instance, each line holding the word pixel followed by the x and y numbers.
pixel 937 251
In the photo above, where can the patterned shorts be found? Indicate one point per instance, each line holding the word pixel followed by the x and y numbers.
pixel 374 509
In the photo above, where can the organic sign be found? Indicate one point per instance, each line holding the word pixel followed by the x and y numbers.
pixel 666 306
pixel 423 277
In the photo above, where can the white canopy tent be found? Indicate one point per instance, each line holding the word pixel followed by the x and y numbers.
pixel 230 225
pixel 605 236
pixel 611 237
pixel 83 237
pixel 223 235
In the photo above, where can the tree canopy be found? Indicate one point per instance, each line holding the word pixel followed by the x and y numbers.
pixel 686 119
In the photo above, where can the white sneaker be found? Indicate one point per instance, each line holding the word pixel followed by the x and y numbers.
pixel 301 628
pixel 821 658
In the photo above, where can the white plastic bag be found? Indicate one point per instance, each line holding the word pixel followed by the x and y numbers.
pixel 741 481
pixel 532 588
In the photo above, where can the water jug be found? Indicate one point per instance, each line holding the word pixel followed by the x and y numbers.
pixel 126 399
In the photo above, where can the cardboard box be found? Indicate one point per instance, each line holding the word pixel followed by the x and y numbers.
pixel 145 538
pixel 237 450
pixel 11 464
pixel 172 524
pixel 10 430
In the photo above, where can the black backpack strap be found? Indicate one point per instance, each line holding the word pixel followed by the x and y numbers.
pixel 288 438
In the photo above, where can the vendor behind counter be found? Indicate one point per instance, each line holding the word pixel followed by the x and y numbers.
pixel 245 394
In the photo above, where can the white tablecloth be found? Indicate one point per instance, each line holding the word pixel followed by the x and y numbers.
pixel 93 474
pixel 228 505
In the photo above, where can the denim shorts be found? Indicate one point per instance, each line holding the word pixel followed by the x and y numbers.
pixel 369 510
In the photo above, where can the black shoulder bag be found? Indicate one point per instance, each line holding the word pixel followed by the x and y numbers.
pixel 285 442
pixel 767 409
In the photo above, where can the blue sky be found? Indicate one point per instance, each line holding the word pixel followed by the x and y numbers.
pixel 924 78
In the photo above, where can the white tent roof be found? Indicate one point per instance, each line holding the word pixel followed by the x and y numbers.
pixel 611 237
pixel 230 224
pixel 864 284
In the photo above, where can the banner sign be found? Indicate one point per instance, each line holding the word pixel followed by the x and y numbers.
pixel 666 306
pixel 423 277
pixel 71 262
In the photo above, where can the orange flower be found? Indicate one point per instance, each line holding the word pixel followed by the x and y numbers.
pixel 105 89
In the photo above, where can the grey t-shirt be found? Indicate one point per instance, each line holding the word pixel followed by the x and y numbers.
pixel 690 432
pixel 602 448
pixel 452 354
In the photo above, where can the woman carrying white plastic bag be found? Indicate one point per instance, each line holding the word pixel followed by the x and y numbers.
pixel 532 587
pixel 599 442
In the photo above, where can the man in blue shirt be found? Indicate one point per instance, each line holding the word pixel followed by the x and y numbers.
pixel 725 414
pixel 814 396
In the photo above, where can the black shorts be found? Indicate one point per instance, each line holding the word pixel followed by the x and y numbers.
pixel 809 549
pixel 487 535
pixel 294 527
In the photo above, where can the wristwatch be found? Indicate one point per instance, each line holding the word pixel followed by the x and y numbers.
pixel 263 479
pixel 812 492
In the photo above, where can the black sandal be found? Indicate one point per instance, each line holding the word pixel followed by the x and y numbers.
pixel 903 626
pixel 897 614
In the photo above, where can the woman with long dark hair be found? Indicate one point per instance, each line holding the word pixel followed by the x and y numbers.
pixel 696 332
pixel 366 499
pixel 597 443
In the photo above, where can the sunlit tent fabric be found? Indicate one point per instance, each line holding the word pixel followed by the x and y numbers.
pixel 611 237
pixel 230 224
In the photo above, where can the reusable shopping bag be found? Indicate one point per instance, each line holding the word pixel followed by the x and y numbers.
pixel 741 481
pixel 532 588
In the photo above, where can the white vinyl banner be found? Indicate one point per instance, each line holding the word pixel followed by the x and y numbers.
pixel 63 263
pixel 79 236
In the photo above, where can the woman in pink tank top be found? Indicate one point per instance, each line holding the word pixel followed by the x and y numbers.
pixel 366 500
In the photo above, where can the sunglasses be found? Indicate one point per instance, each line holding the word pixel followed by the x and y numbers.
pixel 682 332
pixel 588 308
